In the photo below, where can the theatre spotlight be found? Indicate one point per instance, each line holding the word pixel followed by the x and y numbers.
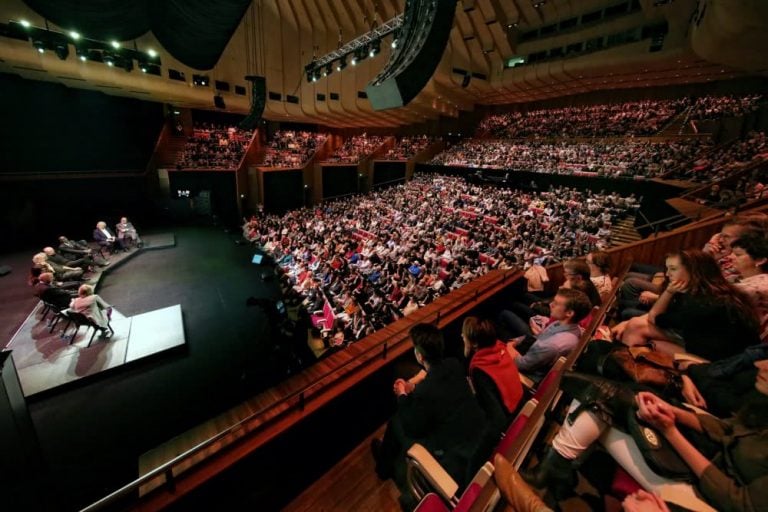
pixel 74 35
pixel 39 44
pixel 25 23
pixel 62 50
pixel 354 60
pixel 328 70
pixel 81 53
pixel 108 59
pixel 152 53
pixel 341 64
pixel 375 48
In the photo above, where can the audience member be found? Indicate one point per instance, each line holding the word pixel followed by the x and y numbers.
pixel 749 253
pixel 727 457
pixel 558 338
pixel 696 313
pixel 492 371
pixel 440 413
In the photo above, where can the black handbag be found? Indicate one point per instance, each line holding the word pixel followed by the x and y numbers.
pixel 657 452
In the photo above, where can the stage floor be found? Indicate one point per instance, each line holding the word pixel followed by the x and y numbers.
pixel 45 359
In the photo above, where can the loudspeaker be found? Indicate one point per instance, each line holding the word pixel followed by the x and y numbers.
pixel 219 101
pixel 5 270
pixel 425 30
pixel 465 81
pixel 258 101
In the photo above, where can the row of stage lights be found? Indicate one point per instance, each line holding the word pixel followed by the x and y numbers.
pixel 315 72
pixel 111 53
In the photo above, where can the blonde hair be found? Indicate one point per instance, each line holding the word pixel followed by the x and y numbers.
pixel 39 258
pixel 85 290
pixel 101 224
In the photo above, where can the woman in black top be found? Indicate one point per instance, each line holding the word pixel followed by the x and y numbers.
pixel 699 312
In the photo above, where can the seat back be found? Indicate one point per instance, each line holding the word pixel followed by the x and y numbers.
pixel 514 429
pixel 471 493
pixel 551 379
pixel 431 503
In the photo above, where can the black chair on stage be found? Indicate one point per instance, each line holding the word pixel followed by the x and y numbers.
pixel 80 320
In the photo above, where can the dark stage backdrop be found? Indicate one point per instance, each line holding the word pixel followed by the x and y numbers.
pixel 339 180
pixel 221 185
pixel 50 127
pixel 283 190
pixel 35 212
pixel 385 172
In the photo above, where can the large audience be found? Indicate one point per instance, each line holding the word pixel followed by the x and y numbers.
pixel 355 148
pixel 631 118
pixel 612 159
pixel 292 149
pixel 619 119
pixel 704 324
pixel 726 159
pixel 407 147
pixel 214 146
pixel 692 159
pixel 379 257
pixel 716 107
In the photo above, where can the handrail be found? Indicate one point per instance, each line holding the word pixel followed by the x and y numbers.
pixel 658 222
pixel 459 300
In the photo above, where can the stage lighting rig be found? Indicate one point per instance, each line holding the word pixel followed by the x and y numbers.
pixel 364 46
pixel 112 53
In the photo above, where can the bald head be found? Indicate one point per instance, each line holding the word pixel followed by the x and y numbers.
pixel 49 251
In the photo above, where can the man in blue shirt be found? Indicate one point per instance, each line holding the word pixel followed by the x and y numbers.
pixel 559 337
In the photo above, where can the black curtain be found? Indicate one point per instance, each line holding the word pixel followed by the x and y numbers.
pixel 195 32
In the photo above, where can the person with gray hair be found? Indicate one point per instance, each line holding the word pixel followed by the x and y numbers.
pixel 93 307
pixel 103 236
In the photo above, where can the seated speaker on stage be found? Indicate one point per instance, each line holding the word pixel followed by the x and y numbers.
pixel 51 292
pixel 126 233
pixel 104 237
pixel 92 307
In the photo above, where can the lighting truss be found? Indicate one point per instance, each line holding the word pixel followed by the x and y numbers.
pixel 360 42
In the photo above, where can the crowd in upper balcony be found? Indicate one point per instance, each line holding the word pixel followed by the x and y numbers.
pixel 379 257
pixel 407 147
pixel 612 159
pixel 636 118
pixel 214 146
pixel 292 149
pixel 632 118
pixel 726 159
pixel 355 148
pixel 716 107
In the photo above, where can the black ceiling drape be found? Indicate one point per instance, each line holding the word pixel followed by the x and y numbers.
pixel 194 31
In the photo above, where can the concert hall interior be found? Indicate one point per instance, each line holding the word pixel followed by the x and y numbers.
pixel 418 255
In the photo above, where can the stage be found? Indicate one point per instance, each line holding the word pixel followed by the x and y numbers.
pixel 92 429
pixel 47 357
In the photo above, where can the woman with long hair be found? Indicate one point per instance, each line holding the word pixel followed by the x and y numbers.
pixel 698 312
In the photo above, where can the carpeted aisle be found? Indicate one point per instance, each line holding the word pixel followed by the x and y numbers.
pixel 92 434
